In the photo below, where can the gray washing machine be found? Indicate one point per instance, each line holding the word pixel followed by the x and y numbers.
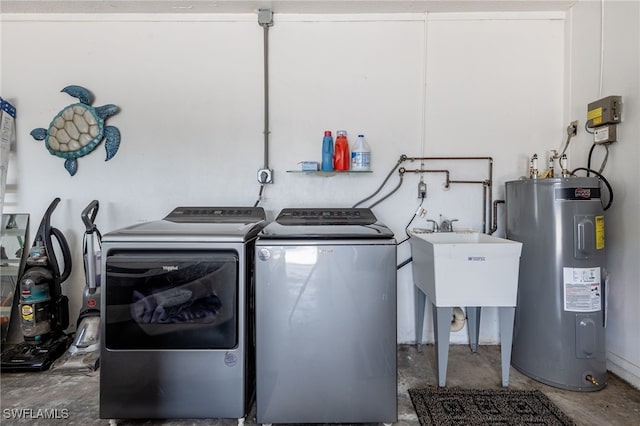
pixel 326 318
pixel 176 318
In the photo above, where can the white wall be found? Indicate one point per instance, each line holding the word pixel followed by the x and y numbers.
pixel 494 87
pixel 620 76
pixel 190 92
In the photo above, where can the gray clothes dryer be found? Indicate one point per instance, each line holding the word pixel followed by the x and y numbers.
pixel 326 318
pixel 176 317
pixel 559 330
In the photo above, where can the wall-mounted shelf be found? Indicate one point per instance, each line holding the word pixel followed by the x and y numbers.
pixel 331 173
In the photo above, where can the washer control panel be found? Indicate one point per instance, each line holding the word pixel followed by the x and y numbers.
pixel 326 216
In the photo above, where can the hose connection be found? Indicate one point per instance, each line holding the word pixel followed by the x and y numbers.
pixel 589 378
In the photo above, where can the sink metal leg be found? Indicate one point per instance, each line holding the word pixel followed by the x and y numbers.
pixel 473 323
pixel 419 301
pixel 442 327
pixel 507 316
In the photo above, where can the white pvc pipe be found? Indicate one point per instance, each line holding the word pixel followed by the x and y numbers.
pixel 457 321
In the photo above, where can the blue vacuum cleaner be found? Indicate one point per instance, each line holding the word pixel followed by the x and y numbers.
pixel 43 309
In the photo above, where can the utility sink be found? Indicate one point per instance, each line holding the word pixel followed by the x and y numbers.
pixel 466 269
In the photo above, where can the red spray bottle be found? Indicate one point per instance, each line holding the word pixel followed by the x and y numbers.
pixel 341 157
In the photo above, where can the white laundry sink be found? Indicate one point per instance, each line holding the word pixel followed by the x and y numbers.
pixel 466 268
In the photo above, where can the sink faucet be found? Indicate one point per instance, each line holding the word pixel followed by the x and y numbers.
pixel 447 225
pixel 435 225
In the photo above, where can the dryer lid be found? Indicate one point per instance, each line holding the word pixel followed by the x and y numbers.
pixel 196 224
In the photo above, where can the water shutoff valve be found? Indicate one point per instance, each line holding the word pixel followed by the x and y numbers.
pixel 422 190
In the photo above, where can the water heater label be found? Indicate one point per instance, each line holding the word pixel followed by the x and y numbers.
pixel 577 193
pixel 582 289
pixel 599 232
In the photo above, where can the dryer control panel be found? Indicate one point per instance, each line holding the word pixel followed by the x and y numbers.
pixel 216 215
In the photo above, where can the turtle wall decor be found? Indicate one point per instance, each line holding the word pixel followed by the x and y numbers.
pixel 78 129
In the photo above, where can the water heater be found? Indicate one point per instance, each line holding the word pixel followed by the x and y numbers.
pixel 559 330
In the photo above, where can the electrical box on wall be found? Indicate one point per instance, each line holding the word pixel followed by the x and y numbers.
pixel 604 111
pixel 603 117
pixel 605 134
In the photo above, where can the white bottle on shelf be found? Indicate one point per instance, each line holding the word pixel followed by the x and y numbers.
pixel 361 155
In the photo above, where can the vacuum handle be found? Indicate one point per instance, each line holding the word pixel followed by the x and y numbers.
pixel 66 254
pixel 90 263
pixel 45 224
pixel 47 215
pixel 89 215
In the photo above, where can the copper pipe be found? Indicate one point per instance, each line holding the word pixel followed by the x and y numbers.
pixel 487 189
pixel 449 158
pixel 481 182
pixel 446 172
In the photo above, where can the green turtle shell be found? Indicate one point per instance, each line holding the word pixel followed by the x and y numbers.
pixel 75 131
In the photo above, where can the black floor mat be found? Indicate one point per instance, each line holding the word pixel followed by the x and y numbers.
pixel 464 407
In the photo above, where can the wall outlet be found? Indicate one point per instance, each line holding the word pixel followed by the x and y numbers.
pixel 265 176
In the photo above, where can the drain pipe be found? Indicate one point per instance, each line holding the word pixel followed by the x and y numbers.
pixel 457 319
pixel 494 225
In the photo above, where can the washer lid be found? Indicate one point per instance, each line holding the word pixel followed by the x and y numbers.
pixel 326 223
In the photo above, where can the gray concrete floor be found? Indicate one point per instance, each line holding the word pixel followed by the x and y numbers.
pixel 617 404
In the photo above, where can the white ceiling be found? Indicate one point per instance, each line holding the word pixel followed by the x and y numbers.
pixel 278 6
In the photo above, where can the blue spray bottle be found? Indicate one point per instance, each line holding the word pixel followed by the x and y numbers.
pixel 327 151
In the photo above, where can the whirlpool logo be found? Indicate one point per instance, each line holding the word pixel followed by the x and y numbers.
pixel 169 268
pixel 264 254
